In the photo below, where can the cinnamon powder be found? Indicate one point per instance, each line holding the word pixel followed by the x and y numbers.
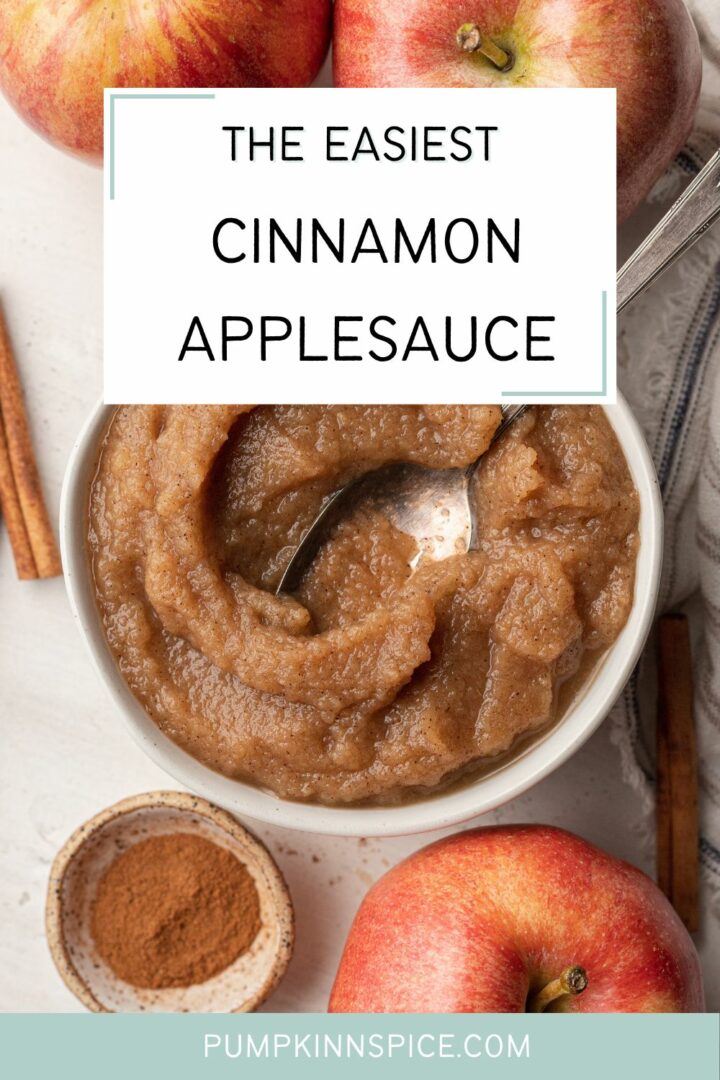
pixel 174 910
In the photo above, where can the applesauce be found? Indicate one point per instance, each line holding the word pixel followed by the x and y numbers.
pixel 380 679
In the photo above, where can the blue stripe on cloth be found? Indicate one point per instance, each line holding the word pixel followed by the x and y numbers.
pixel 697 353
pixel 686 163
pixel 709 857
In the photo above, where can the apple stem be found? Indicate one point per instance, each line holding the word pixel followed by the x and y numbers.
pixel 471 39
pixel 572 981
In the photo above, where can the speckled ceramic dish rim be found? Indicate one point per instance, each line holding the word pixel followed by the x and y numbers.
pixel 440 811
pixel 194 806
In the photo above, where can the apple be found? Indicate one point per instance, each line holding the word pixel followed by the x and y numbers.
pixel 56 56
pixel 516 919
pixel 648 49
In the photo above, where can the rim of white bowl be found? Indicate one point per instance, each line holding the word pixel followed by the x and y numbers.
pixel 439 811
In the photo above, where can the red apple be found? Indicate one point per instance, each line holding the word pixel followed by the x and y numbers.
pixel 488 920
pixel 56 56
pixel 648 49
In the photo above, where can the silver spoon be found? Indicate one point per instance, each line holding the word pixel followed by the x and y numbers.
pixel 433 505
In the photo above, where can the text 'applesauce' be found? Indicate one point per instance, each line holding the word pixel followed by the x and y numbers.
pixel 377 681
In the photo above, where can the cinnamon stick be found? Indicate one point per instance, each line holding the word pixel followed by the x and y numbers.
pixel 12 514
pixel 677 780
pixel 20 457
pixel 663 801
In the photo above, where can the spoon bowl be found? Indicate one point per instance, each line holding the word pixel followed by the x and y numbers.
pixel 433 506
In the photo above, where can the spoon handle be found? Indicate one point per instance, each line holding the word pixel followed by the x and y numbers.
pixel 509 413
pixel 693 213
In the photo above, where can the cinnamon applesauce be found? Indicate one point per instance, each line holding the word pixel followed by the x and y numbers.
pixel 381 679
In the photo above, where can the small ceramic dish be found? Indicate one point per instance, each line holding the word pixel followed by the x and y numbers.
pixel 514 775
pixel 88 853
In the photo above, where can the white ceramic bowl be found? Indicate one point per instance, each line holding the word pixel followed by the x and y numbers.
pixel 458 805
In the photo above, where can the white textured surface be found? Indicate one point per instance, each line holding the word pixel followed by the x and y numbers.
pixel 65 754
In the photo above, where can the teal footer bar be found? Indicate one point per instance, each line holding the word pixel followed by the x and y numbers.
pixel 135 1047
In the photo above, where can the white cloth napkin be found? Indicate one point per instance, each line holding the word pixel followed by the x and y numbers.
pixel 669 369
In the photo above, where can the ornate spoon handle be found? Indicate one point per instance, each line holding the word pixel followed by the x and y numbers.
pixel 694 212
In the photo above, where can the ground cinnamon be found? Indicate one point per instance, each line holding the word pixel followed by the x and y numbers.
pixel 174 911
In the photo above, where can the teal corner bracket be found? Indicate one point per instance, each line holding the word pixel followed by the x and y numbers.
pixel 576 393
pixel 139 97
